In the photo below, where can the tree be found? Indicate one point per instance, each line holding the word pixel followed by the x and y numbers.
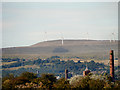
pixel 83 83
pixel 10 77
pixel 29 75
pixel 20 80
pixel 48 80
pixel 7 85
pixel 96 84
pixel 61 83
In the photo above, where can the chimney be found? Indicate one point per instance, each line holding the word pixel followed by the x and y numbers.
pixel 112 64
pixel 66 74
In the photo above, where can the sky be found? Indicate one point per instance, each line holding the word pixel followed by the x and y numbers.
pixel 27 23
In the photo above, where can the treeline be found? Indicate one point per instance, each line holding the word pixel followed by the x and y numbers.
pixel 28 80
pixel 52 65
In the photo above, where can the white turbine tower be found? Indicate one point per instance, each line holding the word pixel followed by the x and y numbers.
pixel 113 35
pixel 45 36
pixel 62 39
pixel 87 35
pixel 110 38
pixel 82 36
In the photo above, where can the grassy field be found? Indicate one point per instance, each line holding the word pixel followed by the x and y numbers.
pixel 86 50
pixel 106 62
pixel 26 66
pixel 80 48
pixel 5 63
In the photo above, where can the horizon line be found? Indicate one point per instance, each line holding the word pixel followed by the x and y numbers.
pixel 59 40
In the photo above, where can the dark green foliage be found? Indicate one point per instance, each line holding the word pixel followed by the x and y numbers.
pixel 49 77
pixel 9 76
pixel 20 80
pixel 95 84
pixel 29 75
pixel 83 83
pixel 61 83
pixel 10 82
pixel 52 65
pixel 55 57
pixel 117 84
pixel 7 85
pixel 48 80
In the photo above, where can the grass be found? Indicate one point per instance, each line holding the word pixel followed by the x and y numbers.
pixel 6 63
pixel 106 62
pixel 26 66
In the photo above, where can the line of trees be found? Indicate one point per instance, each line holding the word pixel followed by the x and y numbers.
pixel 30 80
pixel 52 65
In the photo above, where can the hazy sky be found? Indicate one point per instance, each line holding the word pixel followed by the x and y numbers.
pixel 26 23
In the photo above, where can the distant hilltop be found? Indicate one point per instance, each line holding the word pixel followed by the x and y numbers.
pixel 70 42
pixel 69 47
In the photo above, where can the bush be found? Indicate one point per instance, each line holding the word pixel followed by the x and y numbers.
pixel 29 75
pixel 48 80
pixel 96 84
pixel 61 83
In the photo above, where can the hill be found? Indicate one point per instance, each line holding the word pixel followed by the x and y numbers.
pixel 81 48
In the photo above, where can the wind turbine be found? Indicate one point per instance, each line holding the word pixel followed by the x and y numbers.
pixel 45 36
pixel 111 38
pixel 62 39
pixel 82 35
pixel 87 35
pixel 113 34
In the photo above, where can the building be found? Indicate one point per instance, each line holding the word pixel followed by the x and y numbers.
pixel 86 72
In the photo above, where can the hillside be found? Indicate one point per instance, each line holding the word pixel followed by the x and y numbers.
pixel 80 48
